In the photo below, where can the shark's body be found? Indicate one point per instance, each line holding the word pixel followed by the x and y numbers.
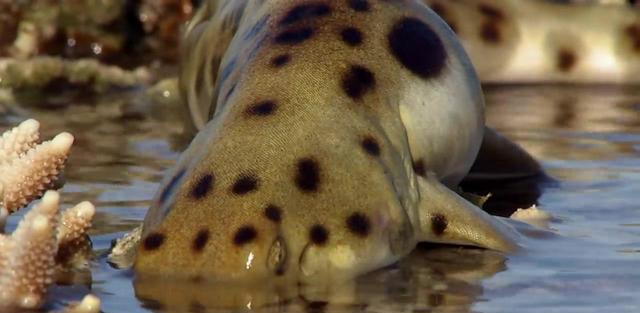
pixel 338 130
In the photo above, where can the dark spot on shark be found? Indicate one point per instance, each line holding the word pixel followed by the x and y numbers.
pixel 419 167
pixel 201 240
pixel 171 185
pixel 244 235
pixel 417 47
pixel 371 146
pixel 358 81
pixel 438 224
pixel 318 235
pixel 263 108
pixel 566 60
pixel 202 186
pixel 633 32
pixel 490 32
pixel 273 213
pixel 280 60
pixel 351 36
pixel 153 241
pixel 359 5
pixel 359 224
pixel 294 36
pixel 244 184
pixel 305 11
pixel 307 176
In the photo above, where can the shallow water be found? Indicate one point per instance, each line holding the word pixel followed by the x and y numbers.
pixel 588 139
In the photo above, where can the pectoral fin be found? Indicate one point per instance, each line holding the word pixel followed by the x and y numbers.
pixel 446 217
pixel 500 158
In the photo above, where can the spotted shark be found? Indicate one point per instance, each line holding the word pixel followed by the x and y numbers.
pixel 333 136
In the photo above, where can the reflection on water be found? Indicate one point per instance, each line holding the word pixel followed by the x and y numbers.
pixel 588 139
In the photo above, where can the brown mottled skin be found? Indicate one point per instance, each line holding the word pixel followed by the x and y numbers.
pixel 330 153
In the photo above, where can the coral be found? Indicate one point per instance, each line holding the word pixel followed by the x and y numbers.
pixel 45 241
pixel 29 169
pixel 38 72
pixel 28 256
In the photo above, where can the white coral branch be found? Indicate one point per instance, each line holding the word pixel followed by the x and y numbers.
pixel 25 178
pixel 29 256
pixel 18 140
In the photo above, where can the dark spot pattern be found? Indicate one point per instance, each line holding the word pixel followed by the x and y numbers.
pixel 416 46
pixel 172 184
pixel 633 32
pixel 371 146
pixel 263 108
pixel 307 175
pixel 244 235
pixel 359 224
pixel 273 213
pixel 280 60
pixel 419 167
pixel 244 184
pixel 202 186
pixel 438 224
pixel 351 36
pixel 359 5
pixel 490 32
pixel 294 36
pixel 566 60
pixel 201 240
pixel 358 81
pixel 305 11
pixel 153 241
pixel 318 235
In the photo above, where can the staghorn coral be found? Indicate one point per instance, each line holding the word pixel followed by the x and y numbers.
pixel 29 169
pixel 28 256
pixel 46 241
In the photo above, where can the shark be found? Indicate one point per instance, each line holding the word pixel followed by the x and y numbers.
pixel 333 134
